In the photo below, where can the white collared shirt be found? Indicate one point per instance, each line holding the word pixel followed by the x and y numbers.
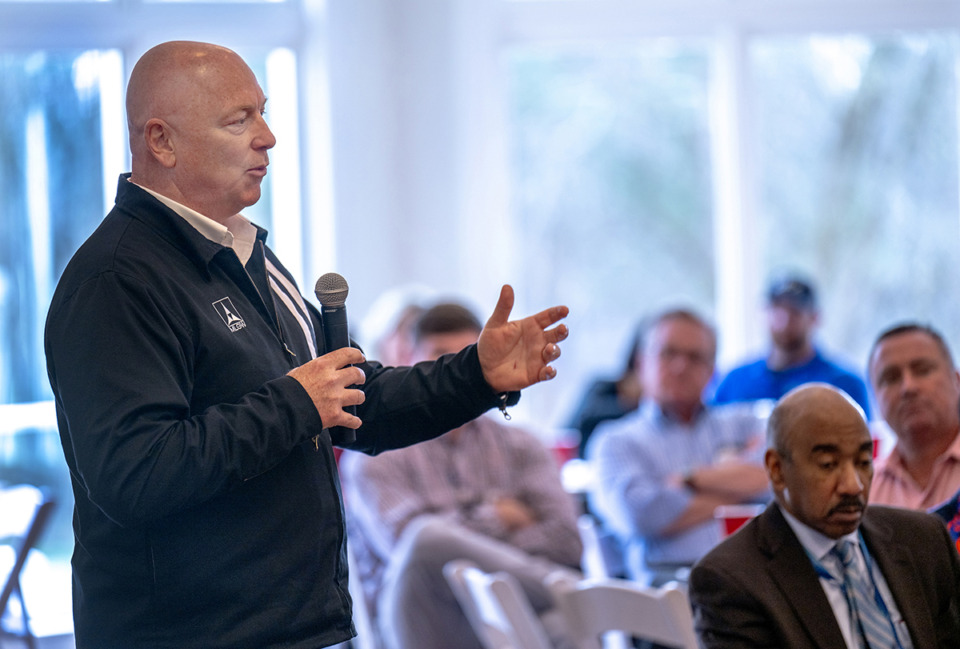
pixel 819 546
pixel 238 233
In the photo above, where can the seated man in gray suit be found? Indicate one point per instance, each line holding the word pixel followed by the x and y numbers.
pixel 778 582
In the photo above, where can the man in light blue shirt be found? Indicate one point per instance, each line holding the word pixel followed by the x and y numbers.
pixel 662 471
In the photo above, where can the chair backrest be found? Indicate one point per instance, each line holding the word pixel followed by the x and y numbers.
pixel 26 511
pixel 367 634
pixel 593 607
pixel 18 503
pixel 497 608
pixel 602 555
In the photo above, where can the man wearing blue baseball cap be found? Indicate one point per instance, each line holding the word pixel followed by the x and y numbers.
pixel 793 359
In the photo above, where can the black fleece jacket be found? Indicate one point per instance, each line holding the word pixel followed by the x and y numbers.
pixel 208 510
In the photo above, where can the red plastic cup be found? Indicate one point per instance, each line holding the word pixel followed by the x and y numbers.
pixel 566 446
pixel 732 517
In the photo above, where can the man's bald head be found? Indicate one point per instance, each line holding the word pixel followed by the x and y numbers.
pixel 813 404
pixel 168 78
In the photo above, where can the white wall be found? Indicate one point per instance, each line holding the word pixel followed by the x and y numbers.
pixel 415 165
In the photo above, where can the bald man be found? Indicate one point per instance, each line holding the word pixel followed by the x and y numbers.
pixel 194 394
pixel 775 583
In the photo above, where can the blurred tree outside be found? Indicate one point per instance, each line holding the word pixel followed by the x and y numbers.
pixel 858 141
pixel 612 181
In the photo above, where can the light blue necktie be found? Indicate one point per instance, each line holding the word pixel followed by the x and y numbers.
pixel 870 622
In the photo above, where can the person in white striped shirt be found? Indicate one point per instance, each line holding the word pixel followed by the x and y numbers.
pixel 662 471
pixel 485 491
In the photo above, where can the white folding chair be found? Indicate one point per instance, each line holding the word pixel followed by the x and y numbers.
pixel 594 607
pixel 24 513
pixel 602 556
pixel 368 637
pixel 497 608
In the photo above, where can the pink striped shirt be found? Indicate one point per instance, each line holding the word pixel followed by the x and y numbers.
pixel 892 485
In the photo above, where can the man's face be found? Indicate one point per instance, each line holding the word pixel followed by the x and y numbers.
pixel 791 326
pixel 677 363
pixel 433 346
pixel 825 476
pixel 916 387
pixel 221 140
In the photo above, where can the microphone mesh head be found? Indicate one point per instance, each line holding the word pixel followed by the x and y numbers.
pixel 331 290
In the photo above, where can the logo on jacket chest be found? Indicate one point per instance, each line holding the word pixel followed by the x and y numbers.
pixel 228 313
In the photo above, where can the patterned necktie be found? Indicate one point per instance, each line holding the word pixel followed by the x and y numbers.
pixel 870 622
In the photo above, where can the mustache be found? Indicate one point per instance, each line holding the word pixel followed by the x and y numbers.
pixel 847 504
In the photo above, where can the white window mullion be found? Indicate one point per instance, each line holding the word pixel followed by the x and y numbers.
pixel 737 257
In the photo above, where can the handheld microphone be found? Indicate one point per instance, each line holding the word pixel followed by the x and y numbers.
pixel 331 291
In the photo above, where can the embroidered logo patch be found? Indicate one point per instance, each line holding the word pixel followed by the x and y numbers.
pixel 229 314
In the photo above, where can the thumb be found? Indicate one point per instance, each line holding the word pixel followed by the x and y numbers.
pixel 501 314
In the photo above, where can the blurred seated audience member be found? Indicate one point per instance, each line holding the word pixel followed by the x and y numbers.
pixel 793 359
pixel 820 568
pixel 386 331
pixel 486 491
pixel 663 470
pixel 610 398
pixel 917 389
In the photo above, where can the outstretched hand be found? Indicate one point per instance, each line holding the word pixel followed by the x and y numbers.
pixel 516 354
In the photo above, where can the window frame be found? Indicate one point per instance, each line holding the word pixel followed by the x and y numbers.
pixel 732 26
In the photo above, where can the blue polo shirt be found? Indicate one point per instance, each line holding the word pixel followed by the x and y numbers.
pixel 756 381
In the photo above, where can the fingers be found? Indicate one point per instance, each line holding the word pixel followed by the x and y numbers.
pixel 345 356
pixel 357 372
pixel 349 421
pixel 550 316
pixel 343 417
pixel 550 353
pixel 501 313
pixel 328 380
pixel 354 397
pixel 556 334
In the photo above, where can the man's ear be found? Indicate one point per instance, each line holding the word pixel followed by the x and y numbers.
pixel 773 463
pixel 157 136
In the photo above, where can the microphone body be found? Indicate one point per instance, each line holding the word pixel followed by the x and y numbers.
pixel 331 291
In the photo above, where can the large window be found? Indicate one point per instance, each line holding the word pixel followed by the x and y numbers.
pixel 59 107
pixel 858 157
pixel 649 172
pixel 611 165
pixel 52 187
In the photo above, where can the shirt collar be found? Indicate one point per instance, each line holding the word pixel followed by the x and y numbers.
pixel 892 465
pixel 239 233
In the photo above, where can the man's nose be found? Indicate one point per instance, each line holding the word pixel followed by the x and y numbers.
pixel 908 382
pixel 850 481
pixel 265 138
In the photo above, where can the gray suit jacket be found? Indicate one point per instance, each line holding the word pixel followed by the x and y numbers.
pixel 758 588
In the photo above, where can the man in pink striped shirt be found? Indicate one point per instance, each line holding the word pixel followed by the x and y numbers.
pixel 917 388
